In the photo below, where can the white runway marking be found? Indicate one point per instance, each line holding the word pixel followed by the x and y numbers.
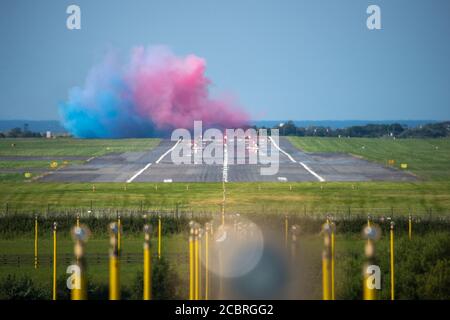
pixel 168 151
pixel 282 151
pixel 225 164
pixel 293 160
pixel 137 174
pixel 312 172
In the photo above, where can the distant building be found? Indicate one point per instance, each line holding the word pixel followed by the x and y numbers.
pixel 48 134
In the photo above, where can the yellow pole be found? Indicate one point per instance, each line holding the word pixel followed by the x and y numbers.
pixel 191 265
pixel 114 264
pixel 147 264
pixel 196 263
pixel 36 261
pixel 118 234
pixel 325 277
pixel 207 229
pixel 392 261
pixel 54 260
pixel 286 228
pixel 369 293
pixel 326 263
pixel 78 220
pixel 200 265
pixel 159 237
pixel 410 227
pixel 332 260
pixel 80 235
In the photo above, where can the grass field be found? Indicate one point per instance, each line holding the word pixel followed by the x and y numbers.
pixel 60 147
pixel 33 164
pixel 421 265
pixel 65 147
pixel 427 158
pixel 293 198
pixel 97 259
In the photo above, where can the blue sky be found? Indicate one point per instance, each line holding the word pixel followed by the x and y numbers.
pixel 283 59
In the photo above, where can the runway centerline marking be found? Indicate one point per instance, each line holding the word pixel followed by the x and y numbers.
pixel 321 179
pixel 137 174
pixel 225 164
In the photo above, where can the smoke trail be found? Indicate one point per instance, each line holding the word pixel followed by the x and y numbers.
pixel 152 94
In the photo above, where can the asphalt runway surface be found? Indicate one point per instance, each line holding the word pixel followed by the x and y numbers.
pixel 156 165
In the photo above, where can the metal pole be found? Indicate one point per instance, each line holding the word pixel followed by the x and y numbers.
pixel 191 264
pixel 114 264
pixel 196 263
pixel 119 226
pixel 286 231
pixel 36 258
pixel 200 285
pixel 295 230
pixel 159 237
pixel 410 227
pixel 332 260
pixel 147 264
pixel 80 235
pixel 207 230
pixel 326 262
pixel 392 260
pixel 369 292
pixel 54 260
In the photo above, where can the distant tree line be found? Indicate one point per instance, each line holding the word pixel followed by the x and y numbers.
pixel 19 133
pixel 432 130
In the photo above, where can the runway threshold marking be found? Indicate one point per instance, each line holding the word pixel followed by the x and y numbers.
pixel 137 174
pixel 321 179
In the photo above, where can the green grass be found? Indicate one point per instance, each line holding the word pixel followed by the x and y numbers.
pixel 11 177
pixel 420 273
pixel 295 198
pixel 36 196
pixel 172 246
pixel 72 147
pixel 292 198
pixel 427 158
pixel 37 164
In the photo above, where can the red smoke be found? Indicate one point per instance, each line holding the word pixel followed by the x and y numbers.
pixel 152 94
pixel 173 91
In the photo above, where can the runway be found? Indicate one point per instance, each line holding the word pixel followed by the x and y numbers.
pixel 293 165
